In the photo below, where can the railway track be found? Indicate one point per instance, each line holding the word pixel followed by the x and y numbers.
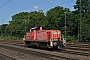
pixel 5 57
pixel 36 53
pixel 11 45
pixel 79 46
pixel 68 50
pixel 75 52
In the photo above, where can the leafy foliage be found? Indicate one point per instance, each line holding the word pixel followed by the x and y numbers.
pixel 54 19
pixel 85 15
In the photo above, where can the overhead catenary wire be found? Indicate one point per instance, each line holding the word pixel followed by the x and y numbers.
pixel 5 4
pixel 37 3
pixel 59 4
pixel 52 6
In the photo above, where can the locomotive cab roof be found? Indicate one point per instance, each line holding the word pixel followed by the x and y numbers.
pixel 36 28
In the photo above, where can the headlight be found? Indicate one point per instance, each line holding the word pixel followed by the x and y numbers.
pixel 55 43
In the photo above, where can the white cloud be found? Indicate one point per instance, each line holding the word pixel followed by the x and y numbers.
pixel 72 9
pixel 35 7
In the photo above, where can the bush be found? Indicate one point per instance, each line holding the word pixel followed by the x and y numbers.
pixel 72 39
pixel 8 38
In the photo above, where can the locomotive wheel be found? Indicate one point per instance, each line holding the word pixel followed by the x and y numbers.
pixel 27 44
pixel 47 45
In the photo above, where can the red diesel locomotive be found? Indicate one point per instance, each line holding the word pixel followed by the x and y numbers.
pixel 44 38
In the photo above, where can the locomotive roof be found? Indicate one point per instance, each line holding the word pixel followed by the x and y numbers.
pixel 34 27
pixel 37 28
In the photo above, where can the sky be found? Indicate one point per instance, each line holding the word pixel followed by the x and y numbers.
pixel 8 8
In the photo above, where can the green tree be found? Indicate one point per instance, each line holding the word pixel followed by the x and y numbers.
pixel 3 29
pixel 22 22
pixel 37 19
pixel 85 10
pixel 17 24
pixel 55 17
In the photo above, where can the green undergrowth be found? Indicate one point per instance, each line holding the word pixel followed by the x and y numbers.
pixel 9 38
